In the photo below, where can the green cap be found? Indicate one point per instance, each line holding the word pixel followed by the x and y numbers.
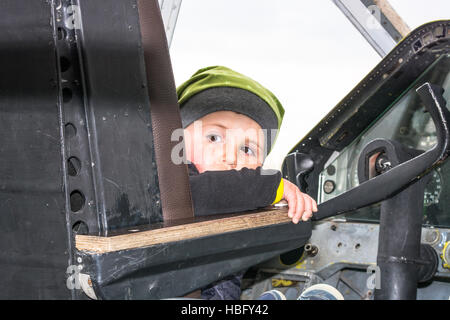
pixel 219 76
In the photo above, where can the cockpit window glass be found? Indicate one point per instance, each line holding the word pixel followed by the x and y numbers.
pixel 407 122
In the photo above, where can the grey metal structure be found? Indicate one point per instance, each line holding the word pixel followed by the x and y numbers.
pixel 169 11
pixel 376 21
pixel 346 259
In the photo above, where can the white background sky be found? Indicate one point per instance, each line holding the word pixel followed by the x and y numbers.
pixel 306 52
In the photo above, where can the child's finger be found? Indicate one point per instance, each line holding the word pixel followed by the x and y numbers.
pixel 308 207
pixel 300 207
pixel 315 205
pixel 292 204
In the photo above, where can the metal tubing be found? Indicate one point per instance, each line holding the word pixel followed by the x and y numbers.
pixel 399 244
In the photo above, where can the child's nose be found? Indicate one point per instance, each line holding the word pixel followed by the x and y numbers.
pixel 230 155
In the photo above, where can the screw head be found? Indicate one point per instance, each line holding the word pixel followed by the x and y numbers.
pixel 329 186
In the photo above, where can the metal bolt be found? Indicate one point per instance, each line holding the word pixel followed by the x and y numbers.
pixel 311 249
pixel 432 236
pixel 331 170
pixel 329 186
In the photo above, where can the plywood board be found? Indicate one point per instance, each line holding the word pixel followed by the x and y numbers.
pixel 96 244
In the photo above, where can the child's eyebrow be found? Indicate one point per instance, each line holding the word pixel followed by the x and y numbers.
pixel 217 125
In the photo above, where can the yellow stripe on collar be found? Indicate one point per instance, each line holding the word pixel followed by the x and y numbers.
pixel 280 192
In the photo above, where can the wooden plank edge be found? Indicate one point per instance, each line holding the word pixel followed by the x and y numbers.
pixel 99 245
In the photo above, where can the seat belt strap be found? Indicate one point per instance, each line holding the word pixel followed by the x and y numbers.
pixel 173 178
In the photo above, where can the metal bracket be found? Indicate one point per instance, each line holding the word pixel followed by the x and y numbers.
pixel 169 11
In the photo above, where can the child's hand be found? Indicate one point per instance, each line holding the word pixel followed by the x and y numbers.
pixel 301 206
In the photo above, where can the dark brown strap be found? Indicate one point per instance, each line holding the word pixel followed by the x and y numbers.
pixel 173 179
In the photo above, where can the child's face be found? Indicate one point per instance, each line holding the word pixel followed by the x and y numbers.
pixel 224 140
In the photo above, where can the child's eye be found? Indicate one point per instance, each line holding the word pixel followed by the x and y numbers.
pixel 214 138
pixel 248 151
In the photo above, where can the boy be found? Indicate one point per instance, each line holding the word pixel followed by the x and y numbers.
pixel 225 115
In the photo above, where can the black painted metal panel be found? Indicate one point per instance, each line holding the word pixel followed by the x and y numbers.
pixel 118 114
pixel 76 145
pixel 33 235
pixel 173 269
